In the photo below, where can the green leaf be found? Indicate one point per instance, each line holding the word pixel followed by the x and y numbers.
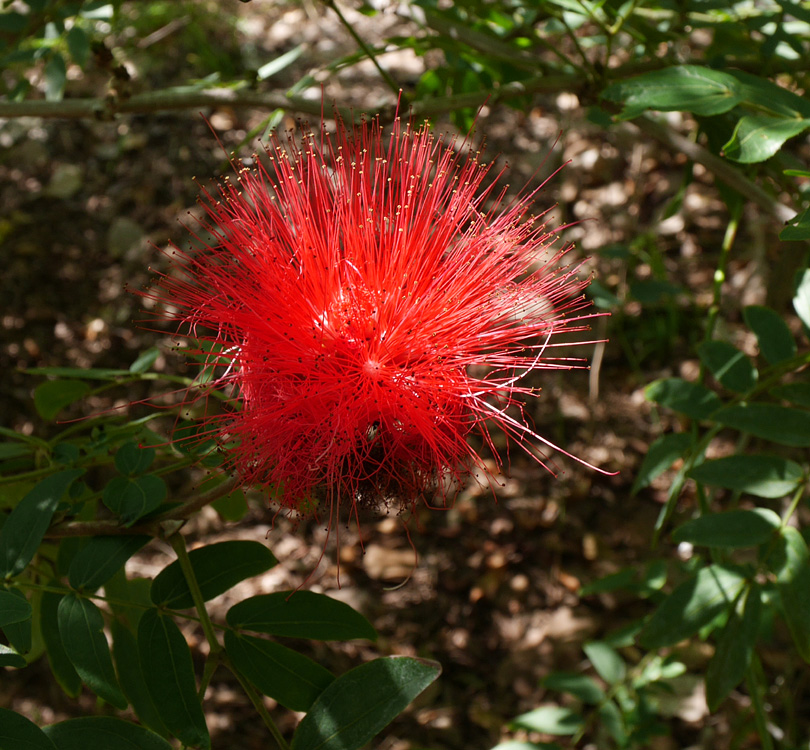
pixel 691 606
pixel 763 94
pixel 20 634
pixel 19 733
pixel 233 507
pixel 217 567
pixel 14 607
pixel 579 685
pixel 549 720
pixel 801 299
pixel 689 88
pixel 61 666
pixel 798 228
pixel 780 424
pixel 130 675
pixel 101 558
pixel 662 453
pixel 775 340
pixel 763 476
pixel 607 663
pixel 517 745
pixel 362 702
pixel 692 399
pixel 790 562
pixel 55 77
pixel 133 498
pixel 612 720
pixel 169 675
pixel 292 679
pixel 81 628
pixel 728 365
pixel 132 460
pixel 103 733
pixel 732 529
pixel 28 522
pixel 796 393
pixel 727 667
pixel 52 396
pixel 10 658
pixel 758 137
pixel 12 23
pixel 300 614
pixel 617 581
pixel 145 361
pixel 78 45
pixel 278 64
pixel 129 597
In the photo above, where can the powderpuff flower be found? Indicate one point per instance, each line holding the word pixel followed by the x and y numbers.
pixel 374 301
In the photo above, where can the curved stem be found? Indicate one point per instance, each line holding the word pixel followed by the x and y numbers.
pixel 258 704
pixel 386 76
pixel 720 271
pixel 179 546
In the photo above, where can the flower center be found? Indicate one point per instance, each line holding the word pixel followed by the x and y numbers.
pixel 372 368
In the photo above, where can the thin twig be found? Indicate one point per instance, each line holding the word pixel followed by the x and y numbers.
pixel 165 100
pixel 386 76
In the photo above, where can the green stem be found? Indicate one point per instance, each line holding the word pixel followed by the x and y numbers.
pixel 754 681
pixel 794 503
pixel 179 546
pixel 258 704
pixel 211 664
pixel 720 272
pixel 390 82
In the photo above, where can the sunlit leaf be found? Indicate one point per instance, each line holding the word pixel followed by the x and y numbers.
pixel 362 702
pixel 763 476
pixel 606 661
pixel 549 720
pixel 690 88
pixel 728 365
pixel 790 561
pixel 731 529
pixel 692 605
pixel 776 342
pixel 692 399
pixel 759 136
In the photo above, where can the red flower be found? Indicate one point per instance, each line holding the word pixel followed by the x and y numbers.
pixel 376 303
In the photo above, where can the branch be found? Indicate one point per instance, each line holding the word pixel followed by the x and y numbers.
pixel 152 527
pixel 167 99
